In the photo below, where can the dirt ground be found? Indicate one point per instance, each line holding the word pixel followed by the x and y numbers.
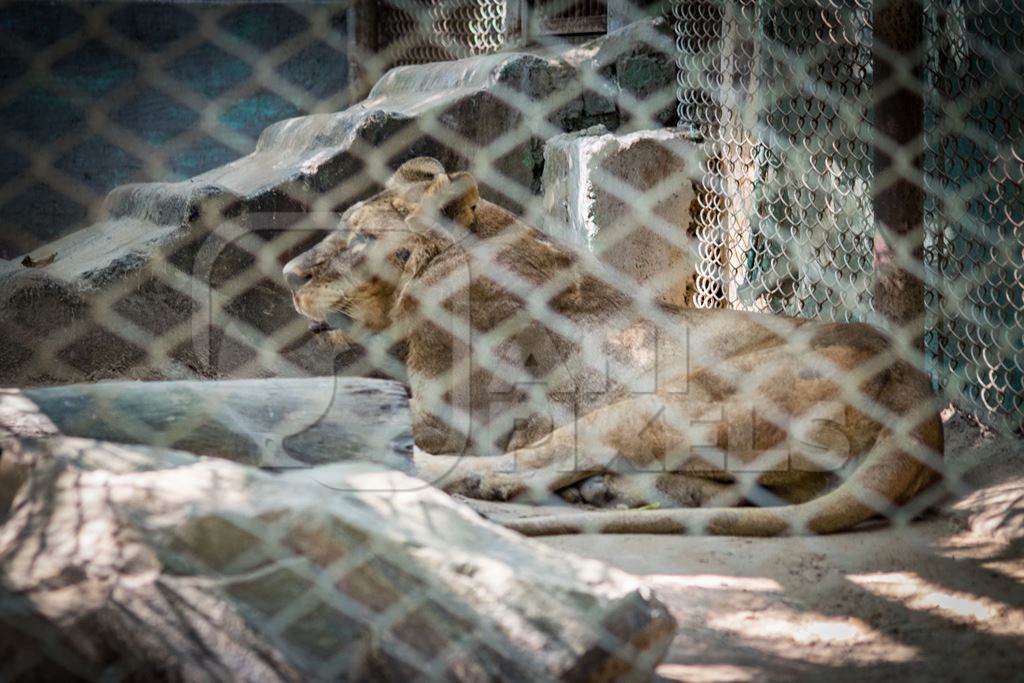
pixel 939 599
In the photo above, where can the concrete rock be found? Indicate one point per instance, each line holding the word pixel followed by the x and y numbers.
pixel 182 280
pixel 262 422
pixel 628 199
pixel 154 564
pixel 638 65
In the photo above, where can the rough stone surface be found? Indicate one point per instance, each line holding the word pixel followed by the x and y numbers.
pixel 140 294
pixel 639 61
pixel 150 563
pixel 628 199
pixel 262 422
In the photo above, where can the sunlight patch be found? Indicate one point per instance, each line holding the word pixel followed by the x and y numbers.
pixel 980 612
pixel 706 673
pixel 716 582
pixel 811 637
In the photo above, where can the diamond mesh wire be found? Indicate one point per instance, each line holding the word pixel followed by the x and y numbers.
pixel 758 200
pixel 420 31
pixel 974 169
pixel 795 229
pixel 566 18
pixel 782 93
pixel 183 280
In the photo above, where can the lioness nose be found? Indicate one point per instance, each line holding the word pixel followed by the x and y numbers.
pixel 295 275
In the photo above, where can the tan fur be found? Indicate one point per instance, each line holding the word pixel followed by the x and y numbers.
pixel 671 407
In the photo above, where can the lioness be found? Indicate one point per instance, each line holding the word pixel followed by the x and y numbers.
pixel 531 373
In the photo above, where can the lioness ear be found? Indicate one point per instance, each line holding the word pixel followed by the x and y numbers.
pixel 415 170
pixel 455 197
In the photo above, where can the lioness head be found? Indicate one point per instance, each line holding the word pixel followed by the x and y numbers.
pixel 351 280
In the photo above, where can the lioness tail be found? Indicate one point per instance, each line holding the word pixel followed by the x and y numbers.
pixel 887 477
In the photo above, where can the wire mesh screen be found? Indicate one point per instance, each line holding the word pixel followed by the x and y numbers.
pixel 629 282
pixel 974 170
pixel 793 163
pixel 419 31
pixel 585 16
pixel 782 92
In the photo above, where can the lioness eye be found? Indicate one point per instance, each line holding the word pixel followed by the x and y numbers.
pixel 402 255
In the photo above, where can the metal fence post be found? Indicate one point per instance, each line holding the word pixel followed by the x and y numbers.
pixel 898 195
pixel 362 36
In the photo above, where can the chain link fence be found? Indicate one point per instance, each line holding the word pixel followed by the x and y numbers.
pixel 600 243
pixel 783 93
pixel 973 170
pixel 425 31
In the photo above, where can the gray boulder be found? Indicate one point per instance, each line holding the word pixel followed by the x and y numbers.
pixel 151 564
pixel 262 422
pixel 182 280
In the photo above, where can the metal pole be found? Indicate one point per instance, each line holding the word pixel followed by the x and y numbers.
pixel 362 37
pixel 898 197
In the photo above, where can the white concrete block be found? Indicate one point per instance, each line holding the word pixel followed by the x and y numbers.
pixel 628 199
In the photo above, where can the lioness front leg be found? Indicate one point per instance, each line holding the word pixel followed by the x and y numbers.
pixel 643 489
pixel 627 442
pixel 532 473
